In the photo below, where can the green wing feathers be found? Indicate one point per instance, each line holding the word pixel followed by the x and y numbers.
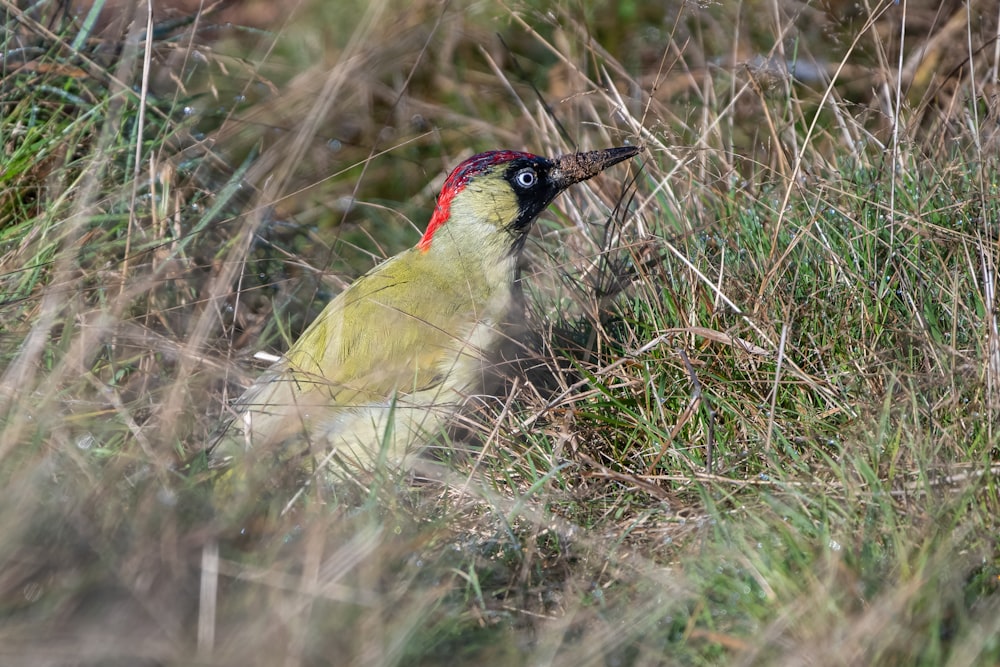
pixel 377 344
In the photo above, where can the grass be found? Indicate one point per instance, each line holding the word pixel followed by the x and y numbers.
pixel 750 417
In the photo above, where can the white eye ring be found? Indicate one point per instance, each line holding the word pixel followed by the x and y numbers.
pixel 526 178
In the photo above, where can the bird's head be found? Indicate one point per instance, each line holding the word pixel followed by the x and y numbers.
pixel 494 197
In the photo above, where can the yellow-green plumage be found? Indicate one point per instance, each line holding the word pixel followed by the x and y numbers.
pixel 391 358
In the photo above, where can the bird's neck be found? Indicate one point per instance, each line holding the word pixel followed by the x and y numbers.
pixel 478 233
pixel 479 251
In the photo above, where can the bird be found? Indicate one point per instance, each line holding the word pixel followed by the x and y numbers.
pixel 386 364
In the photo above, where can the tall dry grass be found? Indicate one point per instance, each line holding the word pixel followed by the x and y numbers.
pixel 750 415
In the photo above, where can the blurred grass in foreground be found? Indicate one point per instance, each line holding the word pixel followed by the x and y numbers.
pixel 752 419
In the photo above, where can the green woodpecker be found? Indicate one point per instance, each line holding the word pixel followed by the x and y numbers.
pixel 392 357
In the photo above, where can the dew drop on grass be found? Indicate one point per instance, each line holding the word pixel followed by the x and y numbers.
pixel 86 441
pixel 166 497
pixel 32 591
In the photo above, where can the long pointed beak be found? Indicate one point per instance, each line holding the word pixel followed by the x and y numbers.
pixel 575 167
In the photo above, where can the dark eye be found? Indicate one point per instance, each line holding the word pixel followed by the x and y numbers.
pixel 526 178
